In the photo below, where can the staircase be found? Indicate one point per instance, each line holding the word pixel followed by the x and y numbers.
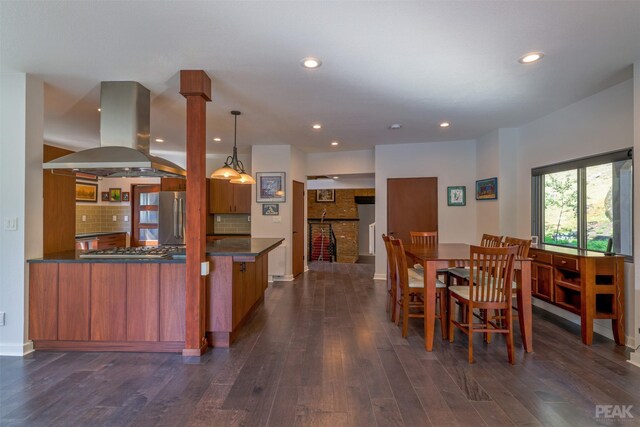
pixel 322 242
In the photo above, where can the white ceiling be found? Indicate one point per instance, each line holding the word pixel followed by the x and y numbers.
pixel 411 62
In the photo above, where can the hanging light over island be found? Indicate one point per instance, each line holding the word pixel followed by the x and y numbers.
pixel 233 169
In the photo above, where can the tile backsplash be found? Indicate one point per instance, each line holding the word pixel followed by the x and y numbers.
pixel 99 218
pixel 232 224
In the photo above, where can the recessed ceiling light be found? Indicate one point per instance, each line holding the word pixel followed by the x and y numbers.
pixel 159 140
pixel 311 63
pixel 395 126
pixel 317 126
pixel 334 143
pixel 336 177
pixel 445 124
pixel 217 139
pixel 531 57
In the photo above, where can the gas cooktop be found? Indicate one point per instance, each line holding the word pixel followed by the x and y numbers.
pixel 142 252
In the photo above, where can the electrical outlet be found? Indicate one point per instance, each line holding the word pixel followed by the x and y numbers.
pixel 217 218
pixel 115 218
pixel 249 218
pixel 2 318
pixel 84 218
pixel 126 218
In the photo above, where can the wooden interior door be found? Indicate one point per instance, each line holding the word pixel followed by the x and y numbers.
pixel 144 213
pixel 412 205
pixel 297 250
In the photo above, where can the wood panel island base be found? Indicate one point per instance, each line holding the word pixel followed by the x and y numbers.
pixel 80 304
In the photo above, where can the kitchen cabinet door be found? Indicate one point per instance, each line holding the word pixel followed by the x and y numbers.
pixel 74 304
pixel 108 302
pixel 221 197
pixel 43 301
pixel 143 301
pixel 241 198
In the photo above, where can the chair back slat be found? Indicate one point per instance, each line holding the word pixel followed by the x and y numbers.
pixel 522 244
pixel 391 260
pixel 491 271
pixel 490 241
pixel 426 238
pixel 402 269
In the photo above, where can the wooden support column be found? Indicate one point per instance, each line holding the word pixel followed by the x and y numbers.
pixel 195 86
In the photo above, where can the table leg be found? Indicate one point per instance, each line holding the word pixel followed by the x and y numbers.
pixel 430 268
pixel 524 306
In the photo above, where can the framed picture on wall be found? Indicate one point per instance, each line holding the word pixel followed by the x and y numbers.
pixel 125 196
pixel 86 192
pixel 271 187
pixel 271 209
pixel 325 196
pixel 457 196
pixel 104 196
pixel 115 195
pixel 487 189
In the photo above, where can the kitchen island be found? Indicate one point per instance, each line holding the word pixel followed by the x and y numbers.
pixel 139 304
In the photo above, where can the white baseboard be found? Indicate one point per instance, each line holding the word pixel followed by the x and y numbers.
pixel 634 358
pixel 16 349
pixel 380 276
pixel 306 268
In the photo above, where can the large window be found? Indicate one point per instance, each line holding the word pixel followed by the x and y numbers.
pixel 584 203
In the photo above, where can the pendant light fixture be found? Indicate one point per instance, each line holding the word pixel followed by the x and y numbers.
pixel 233 168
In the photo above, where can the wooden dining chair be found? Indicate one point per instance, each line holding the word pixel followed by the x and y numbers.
pixel 489 288
pixel 391 277
pixel 428 238
pixel 523 246
pixel 410 293
pixel 461 274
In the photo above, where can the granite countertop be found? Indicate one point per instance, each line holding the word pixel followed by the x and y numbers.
pixel 241 246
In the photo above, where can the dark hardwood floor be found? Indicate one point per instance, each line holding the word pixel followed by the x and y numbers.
pixel 321 352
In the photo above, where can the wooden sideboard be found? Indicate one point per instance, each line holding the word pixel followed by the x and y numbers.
pixel 586 283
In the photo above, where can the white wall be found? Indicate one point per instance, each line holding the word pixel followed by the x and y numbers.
pixel 453 163
pixel 495 154
pixel 273 158
pixel 21 103
pixel 600 123
pixel 635 296
pixel 341 162
pixel 343 182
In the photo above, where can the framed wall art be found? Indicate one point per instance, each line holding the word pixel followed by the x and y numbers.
pixel 457 196
pixel 104 196
pixel 86 192
pixel 125 196
pixel 487 189
pixel 325 196
pixel 271 187
pixel 271 209
pixel 115 195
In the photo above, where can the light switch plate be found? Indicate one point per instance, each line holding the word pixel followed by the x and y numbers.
pixel 84 218
pixel 204 268
pixel 277 219
pixel 126 218
pixel 11 224
pixel 115 218
pixel 217 218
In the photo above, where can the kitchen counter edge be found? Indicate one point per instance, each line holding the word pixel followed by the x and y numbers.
pixel 248 247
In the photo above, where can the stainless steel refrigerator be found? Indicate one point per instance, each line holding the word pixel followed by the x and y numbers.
pixel 172 217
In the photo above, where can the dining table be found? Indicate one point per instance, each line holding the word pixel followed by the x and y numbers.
pixel 445 255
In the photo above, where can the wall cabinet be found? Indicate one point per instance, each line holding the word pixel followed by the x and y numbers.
pixel 173 184
pixel 586 283
pixel 227 198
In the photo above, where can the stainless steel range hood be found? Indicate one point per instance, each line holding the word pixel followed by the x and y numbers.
pixel 124 138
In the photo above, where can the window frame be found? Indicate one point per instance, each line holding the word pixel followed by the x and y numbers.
pixel 537 194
